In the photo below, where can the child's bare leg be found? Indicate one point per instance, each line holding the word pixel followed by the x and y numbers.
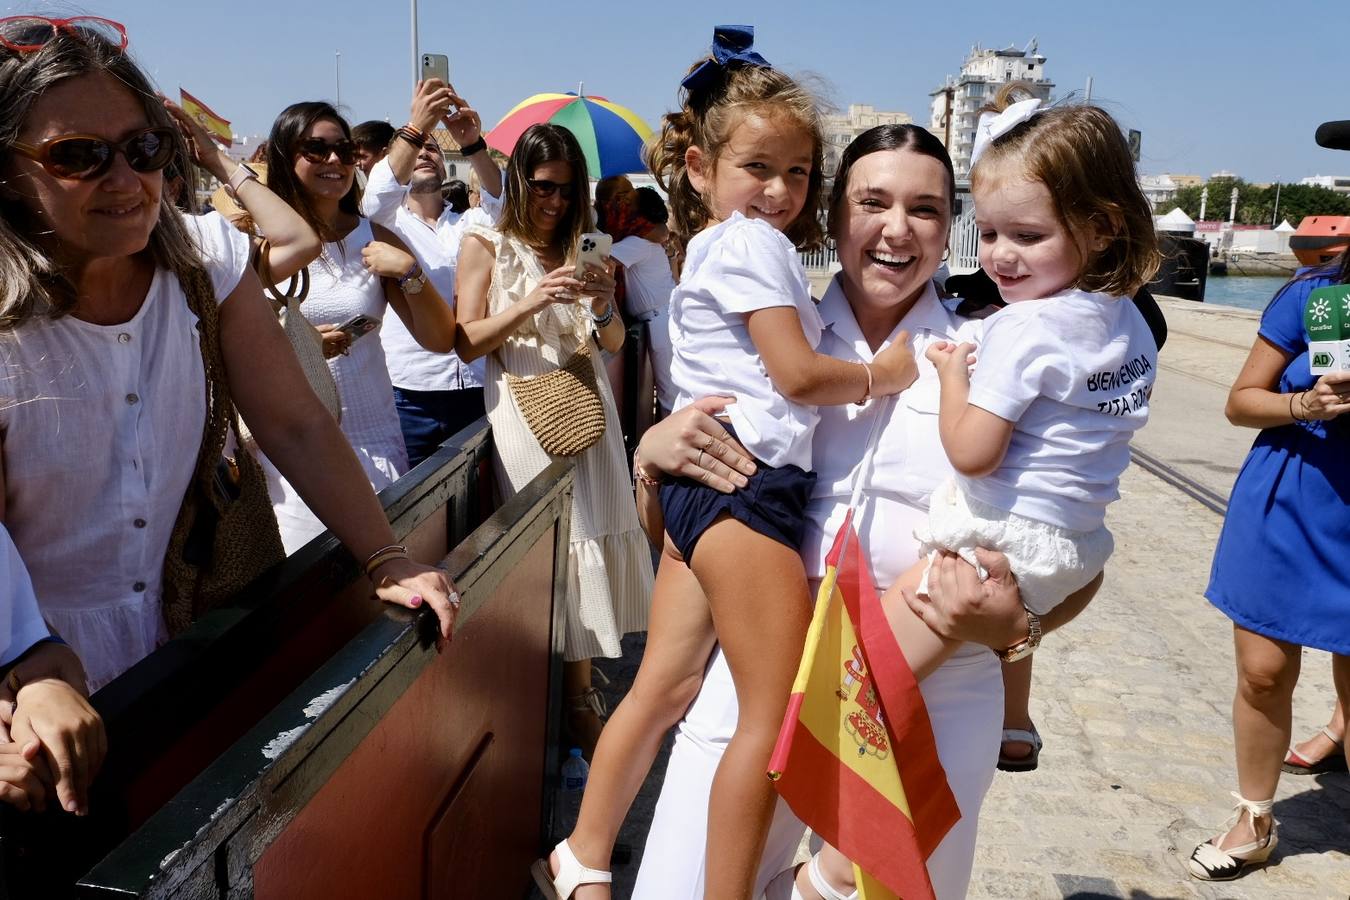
pixel 679 640
pixel 756 588
pixel 924 650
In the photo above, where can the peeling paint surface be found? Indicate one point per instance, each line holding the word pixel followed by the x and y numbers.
pixel 277 745
pixel 320 703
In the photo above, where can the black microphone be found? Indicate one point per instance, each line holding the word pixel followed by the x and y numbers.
pixel 1334 135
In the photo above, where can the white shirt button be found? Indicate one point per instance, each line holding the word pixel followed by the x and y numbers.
pixel 132 399
pixel 124 338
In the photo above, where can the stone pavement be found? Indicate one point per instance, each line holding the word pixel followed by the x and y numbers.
pixel 1133 698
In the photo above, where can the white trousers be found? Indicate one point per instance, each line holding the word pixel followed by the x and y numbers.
pixel 965 703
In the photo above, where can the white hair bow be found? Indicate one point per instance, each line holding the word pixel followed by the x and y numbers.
pixel 993 126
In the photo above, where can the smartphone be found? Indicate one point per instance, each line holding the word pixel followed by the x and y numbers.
pixel 359 325
pixel 592 247
pixel 436 65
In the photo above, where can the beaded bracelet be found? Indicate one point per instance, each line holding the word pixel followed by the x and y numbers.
pixel 602 321
pixel 382 556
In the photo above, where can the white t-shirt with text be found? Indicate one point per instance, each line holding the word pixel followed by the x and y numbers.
pixel 1074 373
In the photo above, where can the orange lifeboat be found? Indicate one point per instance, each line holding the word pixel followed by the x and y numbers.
pixel 1320 239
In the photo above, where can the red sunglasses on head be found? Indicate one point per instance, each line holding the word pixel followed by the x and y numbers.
pixel 25 34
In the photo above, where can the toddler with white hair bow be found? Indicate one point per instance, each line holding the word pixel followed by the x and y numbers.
pixel 1038 433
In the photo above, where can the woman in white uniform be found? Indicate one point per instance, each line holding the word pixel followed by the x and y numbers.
pixel 890 212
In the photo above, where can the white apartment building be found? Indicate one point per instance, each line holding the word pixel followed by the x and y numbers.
pixel 840 130
pixel 956 103
pixel 1159 189
pixel 1338 183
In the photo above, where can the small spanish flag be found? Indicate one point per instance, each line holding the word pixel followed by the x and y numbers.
pixel 218 128
pixel 856 758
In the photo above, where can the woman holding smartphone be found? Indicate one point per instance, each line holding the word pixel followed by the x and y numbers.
pixel 522 306
pixel 363 273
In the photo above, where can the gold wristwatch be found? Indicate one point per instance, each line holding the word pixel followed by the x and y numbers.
pixel 1027 646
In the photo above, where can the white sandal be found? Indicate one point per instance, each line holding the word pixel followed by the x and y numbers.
pixel 571 874
pixel 1209 863
pixel 784 884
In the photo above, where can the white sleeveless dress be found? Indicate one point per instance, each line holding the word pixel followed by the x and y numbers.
pixel 609 571
pixel 339 288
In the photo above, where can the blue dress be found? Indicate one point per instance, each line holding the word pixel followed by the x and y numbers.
pixel 1282 566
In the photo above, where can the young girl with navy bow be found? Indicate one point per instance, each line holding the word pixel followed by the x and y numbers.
pixel 741 162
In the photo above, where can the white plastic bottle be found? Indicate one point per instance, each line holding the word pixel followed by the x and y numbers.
pixel 575 771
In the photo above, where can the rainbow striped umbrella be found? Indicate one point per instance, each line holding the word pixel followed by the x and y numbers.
pixel 610 135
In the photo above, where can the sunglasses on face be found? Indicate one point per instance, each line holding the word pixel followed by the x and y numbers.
pixel 78 157
pixel 542 187
pixel 25 34
pixel 317 150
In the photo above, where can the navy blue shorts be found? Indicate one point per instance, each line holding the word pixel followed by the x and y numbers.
pixel 773 504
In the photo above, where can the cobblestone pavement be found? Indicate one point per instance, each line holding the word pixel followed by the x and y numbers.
pixel 1133 698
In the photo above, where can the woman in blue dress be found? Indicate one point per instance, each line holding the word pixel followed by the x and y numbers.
pixel 1280 569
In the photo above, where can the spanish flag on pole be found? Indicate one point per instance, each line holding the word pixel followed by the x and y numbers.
pixel 218 128
pixel 856 758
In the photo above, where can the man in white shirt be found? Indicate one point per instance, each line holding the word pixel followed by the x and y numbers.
pixel 436 394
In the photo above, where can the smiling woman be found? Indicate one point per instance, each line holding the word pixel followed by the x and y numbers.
pixel 129 333
pixel 523 306
pixel 363 272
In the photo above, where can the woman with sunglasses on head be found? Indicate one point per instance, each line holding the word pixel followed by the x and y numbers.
pixel 364 271
pixel 103 373
pixel 522 306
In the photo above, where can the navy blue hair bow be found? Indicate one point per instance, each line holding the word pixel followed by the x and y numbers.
pixel 731 47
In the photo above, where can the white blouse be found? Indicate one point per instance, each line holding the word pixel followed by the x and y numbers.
pixel 101 426
pixel 908 462
pixel 21 624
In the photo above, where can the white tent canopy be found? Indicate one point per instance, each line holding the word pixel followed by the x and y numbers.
pixel 1284 226
pixel 1176 220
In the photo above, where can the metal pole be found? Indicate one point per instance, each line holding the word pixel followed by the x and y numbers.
pixel 337 75
pixel 416 66
pixel 1275 216
pixel 1204 201
pixel 1088 97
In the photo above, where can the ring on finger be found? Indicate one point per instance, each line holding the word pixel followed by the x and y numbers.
pixel 701 454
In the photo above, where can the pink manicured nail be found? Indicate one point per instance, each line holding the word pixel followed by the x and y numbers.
pixel 416 601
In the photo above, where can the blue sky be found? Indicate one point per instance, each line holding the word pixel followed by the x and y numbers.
pixel 1239 85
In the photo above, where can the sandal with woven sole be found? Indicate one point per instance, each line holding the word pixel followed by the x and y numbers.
pixel 1332 762
pixel 1209 863
pixel 1026 763
pixel 571 874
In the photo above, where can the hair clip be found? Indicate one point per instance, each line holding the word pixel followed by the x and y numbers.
pixel 731 47
pixel 993 126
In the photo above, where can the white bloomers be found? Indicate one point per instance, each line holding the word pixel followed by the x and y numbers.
pixel 1050 562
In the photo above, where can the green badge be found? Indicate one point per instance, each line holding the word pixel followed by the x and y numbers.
pixel 1326 319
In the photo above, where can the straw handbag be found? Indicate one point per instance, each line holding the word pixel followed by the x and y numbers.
pixel 562 408
pixel 304 337
pixel 226 534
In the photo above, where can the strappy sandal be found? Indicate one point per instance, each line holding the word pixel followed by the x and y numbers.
pixel 584 720
pixel 571 874
pixel 784 884
pixel 1332 762
pixel 1026 763
pixel 1209 863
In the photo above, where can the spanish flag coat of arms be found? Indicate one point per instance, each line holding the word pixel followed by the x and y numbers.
pixel 856 758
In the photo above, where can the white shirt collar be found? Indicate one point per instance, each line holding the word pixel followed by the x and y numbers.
pixel 928 313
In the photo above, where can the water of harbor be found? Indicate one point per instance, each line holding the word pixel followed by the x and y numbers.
pixel 1245 291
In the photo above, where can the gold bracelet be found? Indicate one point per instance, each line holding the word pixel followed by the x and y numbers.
pixel 868 395
pixel 641 475
pixel 382 556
